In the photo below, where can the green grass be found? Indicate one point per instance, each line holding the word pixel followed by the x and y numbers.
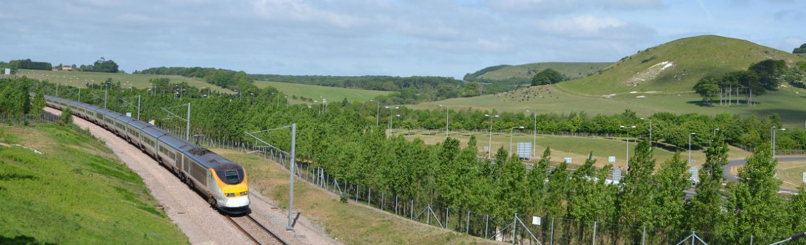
pixel 569 69
pixel 692 59
pixel 348 223
pixel 76 192
pixel 332 94
pixel 789 103
pixel 80 79
pixel 566 146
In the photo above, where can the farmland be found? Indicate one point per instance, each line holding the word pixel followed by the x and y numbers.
pixel 141 81
pixel 332 94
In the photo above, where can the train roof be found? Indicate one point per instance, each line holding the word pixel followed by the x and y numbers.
pixel 138 124
pixel 154 131
pixel 209 159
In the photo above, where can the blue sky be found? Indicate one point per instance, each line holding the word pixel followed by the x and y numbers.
pixel 383 37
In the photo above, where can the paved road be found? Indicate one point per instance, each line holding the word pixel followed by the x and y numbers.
pixel 726 170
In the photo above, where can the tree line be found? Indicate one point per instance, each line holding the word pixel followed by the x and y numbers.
pixel 345 142
pixel 236 80
pixel 26 64
pixel 759 78
pixel 101 65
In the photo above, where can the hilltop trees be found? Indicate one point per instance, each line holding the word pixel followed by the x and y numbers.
pixel 761 77
pixel 547 76
pixel 800 50
pixel 101 65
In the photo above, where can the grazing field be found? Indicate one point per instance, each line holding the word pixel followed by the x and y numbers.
pixel 80 79
pixel 788 102
pixel 332 94
pixel 75 192
pixel 566 146
pixel 349 223
pixel 527 71
pixel 791 173
pixel 676 66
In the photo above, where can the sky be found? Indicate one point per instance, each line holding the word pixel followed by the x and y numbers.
pixel 381 37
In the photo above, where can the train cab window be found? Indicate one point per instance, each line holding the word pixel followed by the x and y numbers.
pixel 230 173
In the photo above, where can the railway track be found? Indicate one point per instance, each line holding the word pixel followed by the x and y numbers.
pixel 255 231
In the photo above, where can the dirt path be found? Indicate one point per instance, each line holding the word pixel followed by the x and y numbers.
pixel 191 213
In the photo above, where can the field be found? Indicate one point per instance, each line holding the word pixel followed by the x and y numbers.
pixel 348 223
pixel 569 69
pixel 566 146
pixel 75 192
pixel 789 103
pixel 676 66
pixel 791 173
pixel 78 78
pixel 332 94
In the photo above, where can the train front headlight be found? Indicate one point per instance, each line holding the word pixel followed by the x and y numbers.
pixel 230 194
pixel 244 193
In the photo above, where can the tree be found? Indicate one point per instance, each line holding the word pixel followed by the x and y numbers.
pixel 38 103
pixel 636 199
pixel 471 89
pixel 753 202
pixel 800 50
pixel 671 180
pixel 796 209
pixel 67 116
pixel 705 207
pixel 547 76
pixel 536 183
pixel 708 88
pixel 769 72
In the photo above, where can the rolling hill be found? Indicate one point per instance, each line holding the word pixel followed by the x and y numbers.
pixel 676 66
pixel 80 78
pixel 572 70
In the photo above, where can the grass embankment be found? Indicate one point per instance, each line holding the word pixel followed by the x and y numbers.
pixel 527 71
pixel 568 146
pixel 141 81
pixel 788 102
pixel 331 94
pixel 75 192
pixel 689 60
pixel 348 223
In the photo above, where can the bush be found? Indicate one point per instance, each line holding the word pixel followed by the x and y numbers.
pixel 67 116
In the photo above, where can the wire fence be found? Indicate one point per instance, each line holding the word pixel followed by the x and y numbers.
pixel 44 117
pixel 518 228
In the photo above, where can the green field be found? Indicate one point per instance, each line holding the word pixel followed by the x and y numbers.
pixel 75 192
pixel 348 223
pixel 569 69
pixel 566 146
pixel 332 94
pixel 788 102
pixel 689 60
pixel 78 78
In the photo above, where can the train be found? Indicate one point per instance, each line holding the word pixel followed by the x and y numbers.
pixel 220 181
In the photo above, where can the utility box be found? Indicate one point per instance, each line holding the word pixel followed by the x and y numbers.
pixel 611 159
pixel 694 175
pixel 617 175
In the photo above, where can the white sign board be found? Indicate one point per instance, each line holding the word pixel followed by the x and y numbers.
pixel 524 149
pixel 567 160
pixel 535 220
pixel 7 72
pixel 487 148
pixel 694 177
pixel 617 175
pixel 611 159
pixel 128 114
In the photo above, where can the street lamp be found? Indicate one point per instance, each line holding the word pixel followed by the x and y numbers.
pixel 773 130
pixel 650 133
pixel 627 159
pixel 689 147
pixel 534 136
pixel 391 123
pixel 377 113
pixel 447 121
pixel 390 116
pixel 510 138
pixel 490 146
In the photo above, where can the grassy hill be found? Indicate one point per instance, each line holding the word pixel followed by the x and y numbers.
pixel 332 94
pixel 527 71
pixel 75 192
pixel 79 78
pixel 676 66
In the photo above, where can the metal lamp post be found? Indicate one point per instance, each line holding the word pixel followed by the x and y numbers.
pixel 510 138
pixel 773 130
pixel 377 113
pixel 689 147
pixel 390 116
pixel 627 159
pixel 490 146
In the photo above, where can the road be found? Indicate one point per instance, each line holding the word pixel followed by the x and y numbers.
pixel 735 164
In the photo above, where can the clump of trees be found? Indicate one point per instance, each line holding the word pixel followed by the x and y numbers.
pixel 26 64
pixel 800 50
pixel 14 97
pixel 547 76
pixel 761 77
pixel 101 65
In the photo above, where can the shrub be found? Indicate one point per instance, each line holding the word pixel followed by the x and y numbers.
pixel 67 116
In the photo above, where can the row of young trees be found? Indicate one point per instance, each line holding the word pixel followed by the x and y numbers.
pixel 345 142
pixel 761 77
pixel 26 64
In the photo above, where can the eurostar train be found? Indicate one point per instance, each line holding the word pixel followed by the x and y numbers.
pixel 222 182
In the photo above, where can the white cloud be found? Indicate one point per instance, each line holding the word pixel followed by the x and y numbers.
pixel 592 27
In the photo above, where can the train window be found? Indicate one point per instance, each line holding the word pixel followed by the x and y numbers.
pixel 230 174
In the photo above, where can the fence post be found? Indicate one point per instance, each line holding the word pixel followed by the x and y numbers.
pixel 369 199
pixel 751 239
pixel 396 204
pixel 447 213
pixel 643 236
pixel 486 225
pixel 428 216
pixel 467 227
pixel 514 227
pixel 412 210
pixel 594 233
pixel 382 196
pixel 551 239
